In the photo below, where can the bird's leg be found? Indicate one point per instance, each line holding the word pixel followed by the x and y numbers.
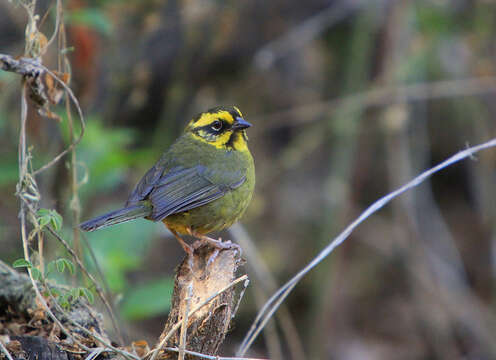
pixel 216 244
pixel 188 249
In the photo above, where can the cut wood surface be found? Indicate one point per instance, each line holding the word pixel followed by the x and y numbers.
pixel 196 281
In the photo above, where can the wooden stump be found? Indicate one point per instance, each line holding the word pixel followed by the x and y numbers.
pixel 195 282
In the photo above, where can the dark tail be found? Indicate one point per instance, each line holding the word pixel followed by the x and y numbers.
pixel 118 216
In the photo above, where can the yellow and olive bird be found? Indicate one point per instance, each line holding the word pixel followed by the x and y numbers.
pixel 202 183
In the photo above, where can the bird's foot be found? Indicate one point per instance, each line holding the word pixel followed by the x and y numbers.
pixel 218 245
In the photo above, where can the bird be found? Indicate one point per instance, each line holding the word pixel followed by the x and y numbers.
pixel 203 183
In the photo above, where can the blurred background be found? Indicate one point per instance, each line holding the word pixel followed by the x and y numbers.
pixel 349 100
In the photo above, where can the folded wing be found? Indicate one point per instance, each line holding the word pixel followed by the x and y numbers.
pixel 181 189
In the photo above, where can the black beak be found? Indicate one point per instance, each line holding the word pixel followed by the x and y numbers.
pixel 240 123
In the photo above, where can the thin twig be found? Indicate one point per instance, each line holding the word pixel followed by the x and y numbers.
pixel 82 267
pixel 92 335
pixel 81 120
pixel 97 287
pixel 241 294
pixel 75 205
pixel 106 291
pixel 275 301
pixel 57 23
pixel 195 309
pixel 34 68
pixel 94 353
pixel 210 357
pixel 267 284
pixel 184 325
pixel 23 176
pixel 5 351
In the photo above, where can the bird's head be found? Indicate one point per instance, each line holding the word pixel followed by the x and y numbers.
pixel 222 127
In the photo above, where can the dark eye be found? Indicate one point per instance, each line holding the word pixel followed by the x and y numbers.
pixel 217 125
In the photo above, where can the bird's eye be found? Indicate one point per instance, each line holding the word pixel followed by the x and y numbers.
pixel 217 125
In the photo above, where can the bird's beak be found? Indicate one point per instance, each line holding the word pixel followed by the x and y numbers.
pixel 240 123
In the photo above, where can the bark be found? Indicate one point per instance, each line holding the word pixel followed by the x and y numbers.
pixel 205 275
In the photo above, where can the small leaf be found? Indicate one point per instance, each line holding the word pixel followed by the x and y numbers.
pixel 64 301
pixel 22 263
pixel 87 294
pixel 60 265
pixel 43 217
pixel 75 294
pixel 49 216
pixel 43 221
pixel 36 273
pixel 55 292
pixel 56 220
pixel 69 264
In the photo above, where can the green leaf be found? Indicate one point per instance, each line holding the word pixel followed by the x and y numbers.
pixel 43 217
pixel 87 294
pixel 60 265
pixel 49 216
pixel 74 294
pixel 36 273
pixel 22 263
pixel 56 220
pixel 70 265
pixel 148 300
pixel 55 292
pixel 50 267
pixel 64 301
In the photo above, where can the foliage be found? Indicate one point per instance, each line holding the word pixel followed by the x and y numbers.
pixel 64 296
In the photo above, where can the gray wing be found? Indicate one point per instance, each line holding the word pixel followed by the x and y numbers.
pixel 181 189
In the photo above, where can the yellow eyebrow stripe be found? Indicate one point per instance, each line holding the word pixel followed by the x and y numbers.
pixel 239 111
pixel 208 118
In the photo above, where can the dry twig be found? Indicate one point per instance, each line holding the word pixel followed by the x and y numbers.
pixel 275 301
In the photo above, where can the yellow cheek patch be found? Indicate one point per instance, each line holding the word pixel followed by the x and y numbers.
pixel 239 142
pixel 209 118
pixel 218 141
pixel 221 141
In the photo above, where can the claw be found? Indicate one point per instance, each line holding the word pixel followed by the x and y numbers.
pixel 218 245
pixel 212 257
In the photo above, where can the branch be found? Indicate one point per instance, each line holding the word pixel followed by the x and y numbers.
pixel 275 301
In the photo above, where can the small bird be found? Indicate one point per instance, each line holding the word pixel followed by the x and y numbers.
pixel 203 183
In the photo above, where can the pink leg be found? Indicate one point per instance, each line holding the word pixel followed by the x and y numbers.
pixel 216 244
pixel 188 249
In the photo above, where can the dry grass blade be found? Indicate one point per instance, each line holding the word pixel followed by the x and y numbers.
pixel 5 351
pixel 81 119
pixel 275 301
pixel 184 326
pixel 57 23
